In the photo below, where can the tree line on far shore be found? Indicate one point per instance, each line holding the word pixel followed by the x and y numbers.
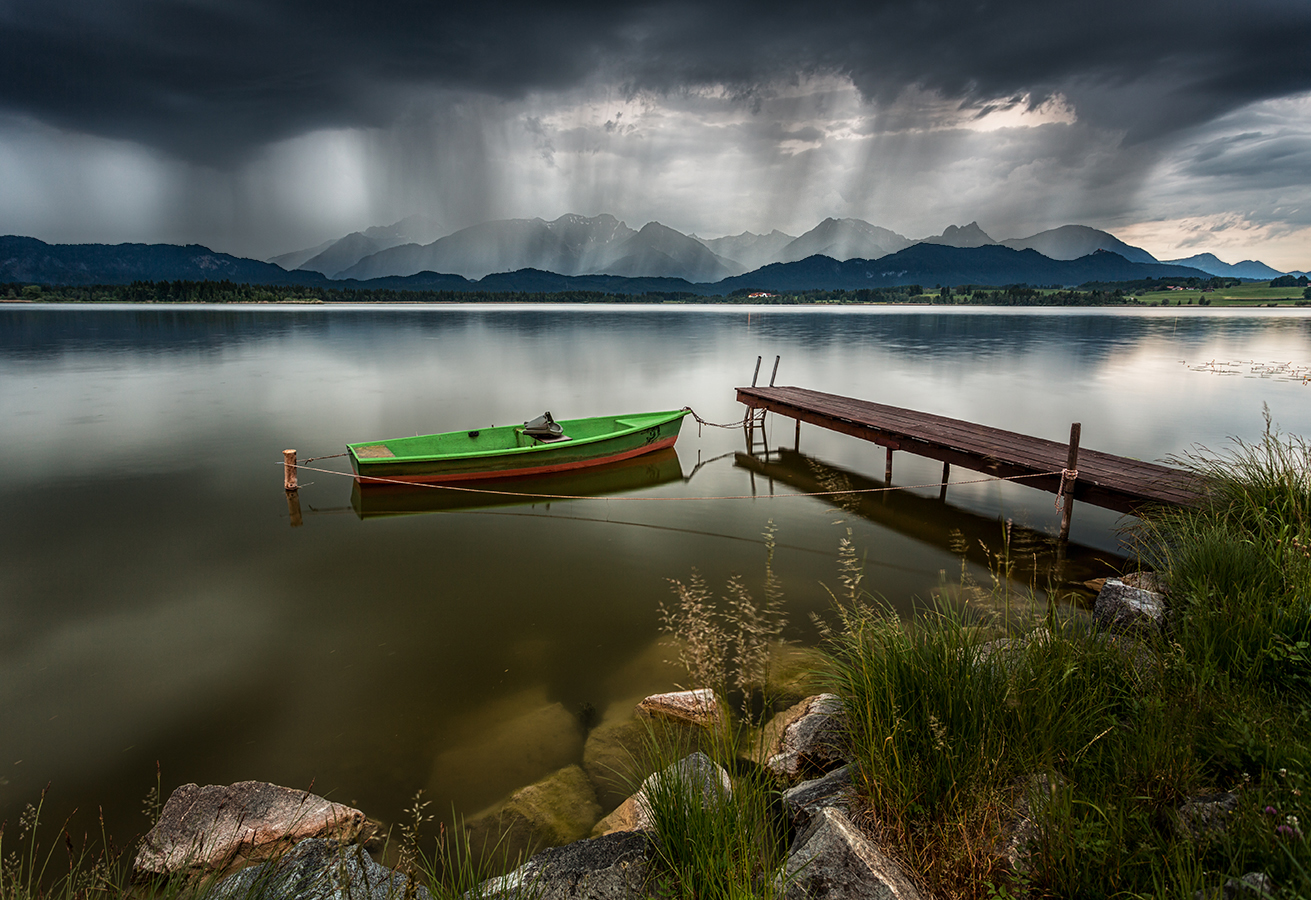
pixel 231 292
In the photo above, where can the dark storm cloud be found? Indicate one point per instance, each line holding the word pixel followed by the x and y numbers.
pixel 211 81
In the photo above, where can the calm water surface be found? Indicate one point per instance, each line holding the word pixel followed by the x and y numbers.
pixel 157 605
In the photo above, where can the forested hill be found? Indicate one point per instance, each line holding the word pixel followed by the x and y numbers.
pixel 28 260
pixel 934 264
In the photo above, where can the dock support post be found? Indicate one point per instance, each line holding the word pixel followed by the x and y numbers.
pixel 796 443
pixel 756 375
pixel 289 470
pixel 887 469
pixel 749 428
pixel 946 477
pixel 774 374
pixel 1067 480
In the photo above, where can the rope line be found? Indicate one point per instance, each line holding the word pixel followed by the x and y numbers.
pixel 374 479
pixel 1068 477
pixel 700 421
pixel 332 456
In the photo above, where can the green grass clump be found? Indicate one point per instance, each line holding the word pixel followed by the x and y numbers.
pixel 715 841
pixel 1102 741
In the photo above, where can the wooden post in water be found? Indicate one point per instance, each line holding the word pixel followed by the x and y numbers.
pixel 796 443
pixel 946 477
pixel 887 468
pixel 293 509
pixel 1067 481
pixel 289 470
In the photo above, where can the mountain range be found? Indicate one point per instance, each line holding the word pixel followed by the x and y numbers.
pixel 601 253
pixel 603 245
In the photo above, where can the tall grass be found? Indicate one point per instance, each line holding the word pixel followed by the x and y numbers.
pixel 1100 741
pixel 715 841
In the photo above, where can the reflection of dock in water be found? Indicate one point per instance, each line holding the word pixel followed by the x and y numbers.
pixel 1035 557
pixel 640 472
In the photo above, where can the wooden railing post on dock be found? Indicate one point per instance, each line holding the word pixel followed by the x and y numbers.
pixel 756 375
pixel 1068 478
pixel 774 374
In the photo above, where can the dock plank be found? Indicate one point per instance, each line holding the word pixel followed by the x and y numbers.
pixel 1115 482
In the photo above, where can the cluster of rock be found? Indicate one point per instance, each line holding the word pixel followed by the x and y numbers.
pixel 292 844
pixel 310 851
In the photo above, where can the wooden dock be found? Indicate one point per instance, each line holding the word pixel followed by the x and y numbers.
pixel 1103 479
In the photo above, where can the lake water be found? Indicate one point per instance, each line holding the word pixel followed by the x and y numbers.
pixel 156 603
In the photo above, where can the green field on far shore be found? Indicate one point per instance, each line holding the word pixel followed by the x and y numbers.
pixel 1258 293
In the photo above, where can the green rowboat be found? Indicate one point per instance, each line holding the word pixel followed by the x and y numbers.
pixel 514 451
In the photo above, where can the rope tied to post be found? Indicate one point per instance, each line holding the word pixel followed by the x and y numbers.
pixel 700 421
pixel 1068 477
pixel 315 458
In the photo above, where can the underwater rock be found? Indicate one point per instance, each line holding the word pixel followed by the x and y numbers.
pixel 558 809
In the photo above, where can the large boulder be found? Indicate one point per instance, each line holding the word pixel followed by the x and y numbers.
pixel 804 801
pixel 832 860
pixel 558 809
pixel 703 780
pixel 319 870
pixel 807 737
pixel 1129 610
pixel 613 867
pixel 622 750
pixel 699 707
pixel 218 828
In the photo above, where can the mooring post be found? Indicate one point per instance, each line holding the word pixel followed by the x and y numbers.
pixel 293 509
pixel 887 469
pixel 289 470
pixel 946 477
pixel 774 374
pixel 755 375
pixel 1068 478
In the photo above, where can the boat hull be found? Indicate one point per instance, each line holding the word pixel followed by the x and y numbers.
pixel 505 452
pixel 640 473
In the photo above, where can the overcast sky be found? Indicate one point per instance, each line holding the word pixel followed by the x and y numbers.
pixel 262 126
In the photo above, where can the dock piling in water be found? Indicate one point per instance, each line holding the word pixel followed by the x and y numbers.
pixel 1068 478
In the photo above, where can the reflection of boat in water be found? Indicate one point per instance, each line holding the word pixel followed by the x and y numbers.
pixel 1034 557
pixel 514 451
pixel 637 473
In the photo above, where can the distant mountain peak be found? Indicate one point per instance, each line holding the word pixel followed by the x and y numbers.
pixel 970 235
